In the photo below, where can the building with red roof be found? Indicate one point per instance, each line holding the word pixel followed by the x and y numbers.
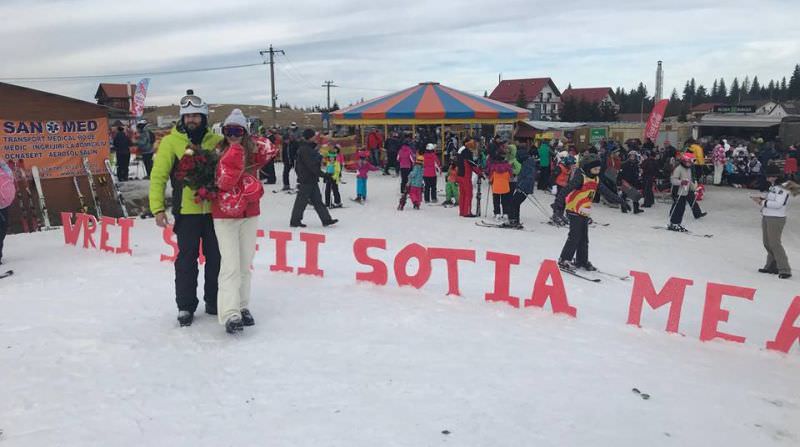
pixel 541 96
pixel 598 95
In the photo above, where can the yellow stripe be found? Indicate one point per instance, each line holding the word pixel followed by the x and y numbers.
pixel 434 121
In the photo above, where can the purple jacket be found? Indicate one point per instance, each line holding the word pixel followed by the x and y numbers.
pixel 406 157
pixel 363 168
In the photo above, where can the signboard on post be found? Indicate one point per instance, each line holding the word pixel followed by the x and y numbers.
pixel 596 134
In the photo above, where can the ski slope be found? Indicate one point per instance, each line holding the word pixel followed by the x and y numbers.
pixel 91 355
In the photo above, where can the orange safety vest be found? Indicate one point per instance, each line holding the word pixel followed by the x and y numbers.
pixel 500 182
pixel 582 198
pixel 563 177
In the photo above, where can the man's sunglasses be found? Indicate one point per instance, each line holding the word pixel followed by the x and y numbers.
pixel 233 131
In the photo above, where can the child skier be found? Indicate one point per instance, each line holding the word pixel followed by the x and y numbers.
pixel 683 189
pixel 526 180
pixel 430 170
pixel 405 159
pixel 499 173
pixel 334 170
pixel 416 182
pixel 362 172
pixel 578 196
pixel 451 190
pixel 773 211
pixel 563 172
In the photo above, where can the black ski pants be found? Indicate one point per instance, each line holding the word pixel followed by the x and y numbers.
pixel 649 199
pixel 514 205
pixel 123 161
pixel 268 173
pixel 191 230
pixel 578 239
pixel 404 172
pixel 3 228
pixel 308 194
pixel 288 164
pixel 430 188
pixel 147 159
pixel 679 206
pixel 332 187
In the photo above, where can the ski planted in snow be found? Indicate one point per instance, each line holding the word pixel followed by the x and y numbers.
pixel 578 275
pixel 92 186
pixel 687 232
pixel 84 208
pixel 117 192
pixel 37 179
pixel 483 223
pixel 32 217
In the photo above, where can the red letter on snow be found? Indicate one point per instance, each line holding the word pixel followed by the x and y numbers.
pixel 169 239
pixel 281 239
pixel 713 313
pixel 788 333
pixel 452 256
pixel 502 278
pixel 105 222
pixel 379 274
pixel 312 241
pixel 401 261
pixel 672 293
pixel 125 224
pixel 555 292
pixel 71 232
pixel 88 229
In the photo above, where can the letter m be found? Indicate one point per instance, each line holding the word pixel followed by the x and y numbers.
pixel 672 293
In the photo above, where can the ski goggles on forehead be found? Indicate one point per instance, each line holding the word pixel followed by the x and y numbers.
pixel 233 131
pixel 192 100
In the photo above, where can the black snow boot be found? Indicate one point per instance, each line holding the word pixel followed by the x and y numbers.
pixel 247 318
pixel 636 209
pixel 234 325
pixel 185 318
pixel 587 266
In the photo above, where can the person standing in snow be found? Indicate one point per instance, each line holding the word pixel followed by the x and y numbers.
pixel 649 173
pixel 544 166
pixel 393 144
pixel 466 166
pixel 362 174
pixel 122 145
pixel 144 143
pixel 719 158
pixel 577 197
pixel 526 180
pixel 774 204
pixel 630 181
pixel 334 170
pixel 193 220
pixel 499 173
pixel 308 168
pixel 683 191
pixel 405 159
pixel 236 210
pixel 451 190
pixel 416 181
pixel 291 144
pixel 430 171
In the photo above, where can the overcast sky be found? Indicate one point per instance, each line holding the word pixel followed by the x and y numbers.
pixel 372 48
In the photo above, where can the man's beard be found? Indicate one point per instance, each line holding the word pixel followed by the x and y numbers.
pixel 196 132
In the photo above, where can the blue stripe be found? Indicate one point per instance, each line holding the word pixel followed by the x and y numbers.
pixel 453 107
pixel 502 110
pixel 406 108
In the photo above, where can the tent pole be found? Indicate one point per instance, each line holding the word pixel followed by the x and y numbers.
pixel 442 146
pixel 361 130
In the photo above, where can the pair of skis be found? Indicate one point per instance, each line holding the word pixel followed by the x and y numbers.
pixel 94 190
pixel 35 208
pixel 581 275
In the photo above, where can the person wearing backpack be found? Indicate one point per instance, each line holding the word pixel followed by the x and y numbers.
pixel 235 210
pixel 8 191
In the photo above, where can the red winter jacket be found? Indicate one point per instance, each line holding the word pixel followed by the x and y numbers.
pixel 233 177
pixel 430 165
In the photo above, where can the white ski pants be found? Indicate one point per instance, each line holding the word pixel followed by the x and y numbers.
pixel 237 246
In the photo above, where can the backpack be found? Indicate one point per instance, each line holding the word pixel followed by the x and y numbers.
pixel 8 188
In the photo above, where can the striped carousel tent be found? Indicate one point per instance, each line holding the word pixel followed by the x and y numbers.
pixel 429 103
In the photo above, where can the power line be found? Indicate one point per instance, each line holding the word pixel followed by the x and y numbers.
pixel 125 75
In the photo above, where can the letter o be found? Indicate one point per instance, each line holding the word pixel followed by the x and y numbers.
pixel 401 261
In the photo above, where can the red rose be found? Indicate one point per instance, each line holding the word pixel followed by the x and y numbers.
pixel 187 163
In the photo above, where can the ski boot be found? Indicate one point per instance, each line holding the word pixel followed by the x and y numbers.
pixel 636 209
pixel 234 325
pixel 185 318
pixel 784 275
pixel 587 266
pixel 677 227
pixel 247 318
pixel 566 265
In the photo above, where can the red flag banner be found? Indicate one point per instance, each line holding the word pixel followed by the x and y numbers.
pixel 654 122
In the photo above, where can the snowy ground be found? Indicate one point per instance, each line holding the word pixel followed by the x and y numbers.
pixel 91 355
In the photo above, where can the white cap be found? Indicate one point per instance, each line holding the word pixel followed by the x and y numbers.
pixel 430 147
pixel 236 118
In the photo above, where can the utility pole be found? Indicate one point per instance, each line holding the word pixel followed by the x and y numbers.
pixel 328 85
pixel 271 62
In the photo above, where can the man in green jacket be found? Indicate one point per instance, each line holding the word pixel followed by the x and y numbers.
pixel 193 222
pixel 544 166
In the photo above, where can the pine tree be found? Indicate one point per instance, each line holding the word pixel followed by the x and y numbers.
pixel 335 106
pixel 794 84
pixel 522 101
pixel 736 91
pixel 485 93
pixel 569 111
pixel 693 86
pixel 755 89
pixel 569 86
pixel 675 105
pixel 771 89
pixel 722 91
pixel 784 89
pixel 714 92
pixel 701 95
pixel 687 92
pixel 745 90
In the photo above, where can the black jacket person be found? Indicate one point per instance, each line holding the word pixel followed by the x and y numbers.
pixel 308 167
pixel 577 197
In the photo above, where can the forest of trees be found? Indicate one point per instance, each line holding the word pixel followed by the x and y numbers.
pixel 638 99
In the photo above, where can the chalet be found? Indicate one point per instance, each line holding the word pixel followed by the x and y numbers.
pixel 540 95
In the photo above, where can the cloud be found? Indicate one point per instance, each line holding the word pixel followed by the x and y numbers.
pixel 372 48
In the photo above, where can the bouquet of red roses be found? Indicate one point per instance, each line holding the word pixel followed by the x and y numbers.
pixel 196 169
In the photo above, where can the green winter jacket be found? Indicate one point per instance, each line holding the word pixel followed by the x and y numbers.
pixel 170 150
pixel 544 155
pixel 511 157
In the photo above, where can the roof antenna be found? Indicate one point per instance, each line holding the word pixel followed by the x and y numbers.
pixel 499 77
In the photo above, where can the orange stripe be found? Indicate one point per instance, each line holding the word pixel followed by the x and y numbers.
pixel 430 106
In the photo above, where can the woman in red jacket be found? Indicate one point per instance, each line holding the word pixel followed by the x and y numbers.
pixel 236 210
